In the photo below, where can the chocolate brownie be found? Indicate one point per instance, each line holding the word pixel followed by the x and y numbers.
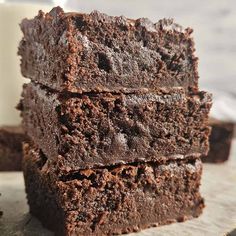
pixel 104 129
pixel 220 141
pixel 95 52
pixel 112 200
pixel 1 212
pixel 11 138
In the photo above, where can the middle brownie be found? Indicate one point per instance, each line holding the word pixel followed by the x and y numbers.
pixel 89 130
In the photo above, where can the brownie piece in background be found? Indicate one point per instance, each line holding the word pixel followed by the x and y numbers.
pixel 112 200
pixel 97 52
pixel 103 129
pixel 11 138
pixel 1 212
pixel 221 138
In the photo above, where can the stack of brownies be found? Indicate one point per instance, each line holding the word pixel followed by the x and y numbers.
pixel 116 121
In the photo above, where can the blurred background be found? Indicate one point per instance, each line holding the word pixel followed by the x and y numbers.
pixel 213 21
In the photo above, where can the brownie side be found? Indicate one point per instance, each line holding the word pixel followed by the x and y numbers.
pixel 220 141
pixel 11 138
pixel 97 52
pixel 112 200
pixel 105 129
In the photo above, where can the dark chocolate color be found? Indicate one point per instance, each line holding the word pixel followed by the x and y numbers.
pixel 95 52
pixel 11 138
pixel 105 129
pixel 112 200
pixel 220 141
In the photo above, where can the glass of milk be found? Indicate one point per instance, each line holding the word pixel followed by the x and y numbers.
pixel 11 80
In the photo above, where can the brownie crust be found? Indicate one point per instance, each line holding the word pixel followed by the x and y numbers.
pixel 112 200
pixel 220 141
pixel 106 129
pixel 11 138
pixel 97 52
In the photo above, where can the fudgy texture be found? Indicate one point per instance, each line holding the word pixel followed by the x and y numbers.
pixel 104 129
pixel 220 141
pixel 112 200
pixel 11 138
pixel 95 52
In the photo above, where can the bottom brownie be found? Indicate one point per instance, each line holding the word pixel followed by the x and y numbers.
pixel 112 200
pixel 11 138
pixel 220 141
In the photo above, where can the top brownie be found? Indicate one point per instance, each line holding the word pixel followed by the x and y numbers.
pixel 95 52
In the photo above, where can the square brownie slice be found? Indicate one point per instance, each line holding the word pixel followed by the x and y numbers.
pixel 95 52
pixel 112 200
pixel 11 139
pixel 101 129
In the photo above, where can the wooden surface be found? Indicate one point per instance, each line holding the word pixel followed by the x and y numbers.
pixel 218 219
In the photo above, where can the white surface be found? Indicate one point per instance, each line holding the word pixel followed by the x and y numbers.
pixel 219 216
